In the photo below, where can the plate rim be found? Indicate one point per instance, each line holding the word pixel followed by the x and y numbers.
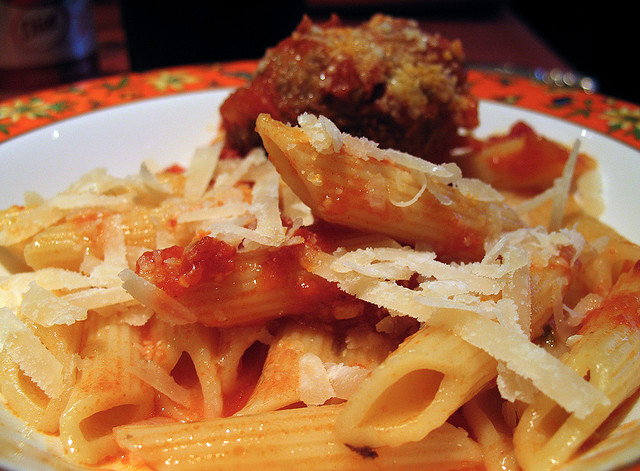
pixel 615 118
pixel 217 89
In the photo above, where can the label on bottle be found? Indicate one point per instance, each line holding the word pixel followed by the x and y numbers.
pixel 36 33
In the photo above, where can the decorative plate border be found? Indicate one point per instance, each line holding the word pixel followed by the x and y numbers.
pixel 615 118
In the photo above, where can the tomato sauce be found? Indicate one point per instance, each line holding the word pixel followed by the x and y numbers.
pixel 175 268
pixel 386 80
pixel 621 306
pixel 224 287
pixel 520 160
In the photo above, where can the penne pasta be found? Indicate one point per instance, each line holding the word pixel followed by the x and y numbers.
pixel 222 287
pixel 66 244
pixel 415 390
pixel 520 160
pixel 549 283
pixel 183 368
pixel 607 353
pixel 484 415
pixel 289 439
pixel 309 364
pixel 321 303
pixel 25 396
pixel 234 345
pixel 348 181
pixel 612 254
pixel 106 393
pixel 281 382
pixel 619 450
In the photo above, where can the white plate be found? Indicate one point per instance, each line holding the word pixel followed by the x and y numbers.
pixel 167 130
pixel 619 163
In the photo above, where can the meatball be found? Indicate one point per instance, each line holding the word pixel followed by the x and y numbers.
pixel 385 79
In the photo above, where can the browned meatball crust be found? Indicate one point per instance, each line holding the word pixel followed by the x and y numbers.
pixel 386 80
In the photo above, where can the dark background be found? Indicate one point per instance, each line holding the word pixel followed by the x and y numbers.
pixel 590 38
pixel 596 38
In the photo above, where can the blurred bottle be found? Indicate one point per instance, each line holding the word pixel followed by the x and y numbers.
pixel 45 43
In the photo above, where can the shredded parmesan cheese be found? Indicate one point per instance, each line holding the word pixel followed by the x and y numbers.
pixel 345 379
pixel 13 287
pixel 513 387
pixel 115 254
pixel 319 382
pixel 26 349
pixel 86 200
pixel 46 309
pixel 563 187
pixel 225 180
pixel 217 213
pixel 323 134
pixel 96 298
pixel 201 170
pixel 314 384
pixel 158 378
pixel 265 206
pixel 153 297
pixel 547 373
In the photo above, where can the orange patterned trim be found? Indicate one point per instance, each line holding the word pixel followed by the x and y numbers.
pixel 615 118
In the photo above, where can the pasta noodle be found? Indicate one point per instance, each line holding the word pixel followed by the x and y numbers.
pixel 457 226
pixel 324 304
pixel 415 390
pixel 492 431
pixel 281 381
pixel 106 393
pixel 608 353
pixel 293 438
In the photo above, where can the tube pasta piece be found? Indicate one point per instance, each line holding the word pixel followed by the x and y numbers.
pixel 24 396
pixel 61 246
pixel 19 224
pixel 483 413
pixel 612 254
pixel 548 285
pixel 187 356
pixel 22 345
pixel 27 400
pixel 233 343
pixel 280 382
pixel 353 183
pixel 106 394
pixel 619 450
pixel 308 363
pixel 289 439
pixel 415 390
pixel 547 373
pixel 521 160
pixel 66 244
pixel 608 354
pixel 222 287
pixel 200 343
